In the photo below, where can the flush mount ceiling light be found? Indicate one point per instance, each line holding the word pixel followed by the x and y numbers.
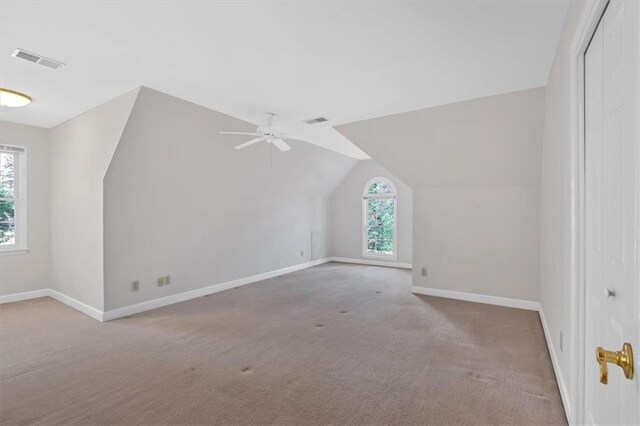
pixel 13 99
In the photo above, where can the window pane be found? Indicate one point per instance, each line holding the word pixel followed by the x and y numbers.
pixel 7 210
pixel 379 188
pixel 380 226
pixel 7 233
pixel 7 168
pixel 9 188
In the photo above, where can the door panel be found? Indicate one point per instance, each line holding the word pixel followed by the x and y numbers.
pixel 612 218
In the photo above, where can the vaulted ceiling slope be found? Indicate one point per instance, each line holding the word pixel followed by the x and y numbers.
pixel 347 61
pixel 491 141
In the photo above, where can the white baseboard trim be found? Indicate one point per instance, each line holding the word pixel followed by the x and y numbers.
pixel 77 305
pixel 479 298
pixel 371 262
pixel 564 392
pixel 26 295
pixel 204 291
pixel 63 298
pixel 155 303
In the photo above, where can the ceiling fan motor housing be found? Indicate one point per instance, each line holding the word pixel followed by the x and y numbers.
pixel 270 117
pixel 271 130
pixel 268 133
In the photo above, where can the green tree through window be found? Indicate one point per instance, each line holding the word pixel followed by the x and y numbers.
pixel 7 198
pixel 380 218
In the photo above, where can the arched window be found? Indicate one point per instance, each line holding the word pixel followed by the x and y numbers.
pixel 379 230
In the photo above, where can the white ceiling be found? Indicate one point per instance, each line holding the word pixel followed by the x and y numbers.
pixel 347 61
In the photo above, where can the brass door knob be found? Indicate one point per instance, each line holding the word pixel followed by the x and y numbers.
pixel 622 358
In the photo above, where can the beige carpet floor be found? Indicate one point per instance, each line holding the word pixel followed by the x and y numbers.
pixel 333 344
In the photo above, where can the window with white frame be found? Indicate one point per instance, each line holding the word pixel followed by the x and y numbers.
pixel 13 199
pixel 380 207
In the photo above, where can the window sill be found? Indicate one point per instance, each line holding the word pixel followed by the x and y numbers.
pixel 389 257
pixel 13 252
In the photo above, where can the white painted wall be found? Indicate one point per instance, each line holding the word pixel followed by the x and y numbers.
pixel 81 150
pixel 26 272
pixel 474 168
pixel 180 201
pixel 555 247
pixel 347 214
pixel 481 240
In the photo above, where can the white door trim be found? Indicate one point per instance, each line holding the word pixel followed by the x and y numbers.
pixel 587 25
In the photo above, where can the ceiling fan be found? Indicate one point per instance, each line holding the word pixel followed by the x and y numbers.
pixel 267 132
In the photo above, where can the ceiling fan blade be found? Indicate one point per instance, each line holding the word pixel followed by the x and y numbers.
pixel 281 145
pixel 251 142
pixel 240 133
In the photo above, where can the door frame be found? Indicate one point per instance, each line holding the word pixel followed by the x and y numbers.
pixel 587 25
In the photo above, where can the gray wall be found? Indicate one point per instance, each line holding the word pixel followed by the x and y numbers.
pixel 26 272
pixel 180 201
pixel 81 150
pixel 346 213
pixel 555 249
pixel 474 168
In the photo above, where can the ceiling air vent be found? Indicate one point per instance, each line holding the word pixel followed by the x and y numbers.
pixel 316 120
pixel 37 59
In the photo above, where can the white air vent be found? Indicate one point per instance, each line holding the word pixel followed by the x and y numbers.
pixel 37 59
pixel 316 120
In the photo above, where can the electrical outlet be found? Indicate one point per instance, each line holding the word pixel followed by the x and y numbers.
pixel 135 285
pixel 560 341
pixel 166 280
pixel 301 253
pixel 160 282
pixel 423 272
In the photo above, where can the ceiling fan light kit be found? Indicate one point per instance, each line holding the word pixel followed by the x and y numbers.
pixel 13 99
pixel 268 132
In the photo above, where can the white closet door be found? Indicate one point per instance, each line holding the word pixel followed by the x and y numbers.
pixel 612 212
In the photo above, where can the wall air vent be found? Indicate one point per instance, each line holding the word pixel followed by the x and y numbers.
pixel 37 59
pixel 316 120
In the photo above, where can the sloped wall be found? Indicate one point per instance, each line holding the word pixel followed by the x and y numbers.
pixel 474 168
pixel 180 201
pixel 347 214
pixel 81 150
